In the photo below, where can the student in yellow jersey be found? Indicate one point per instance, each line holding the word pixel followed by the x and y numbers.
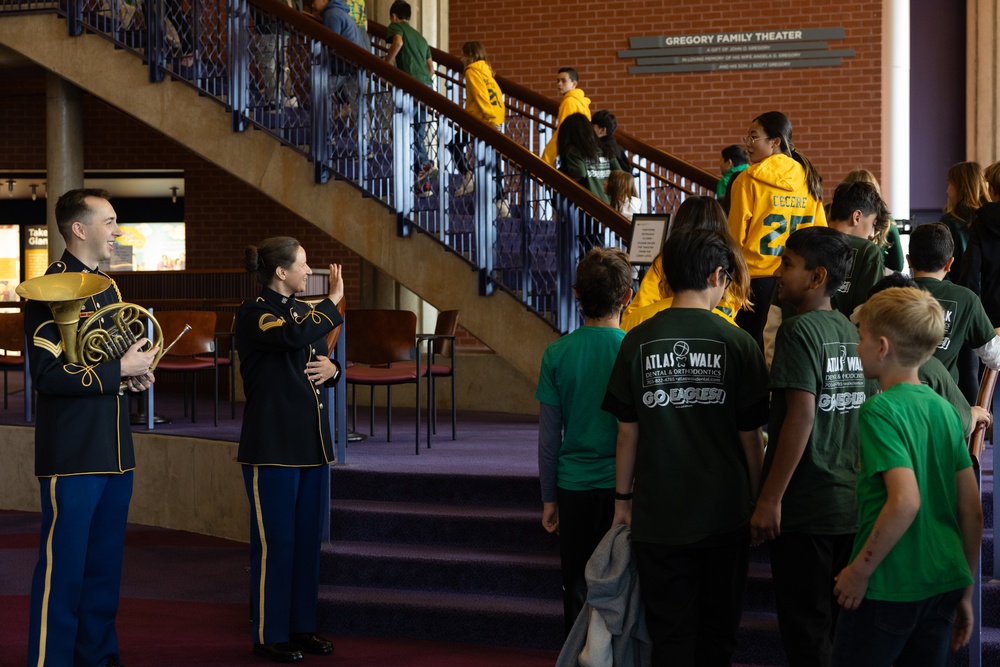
pixel 573 101
pixel 484 100
pixel 778 193
pixel 653 295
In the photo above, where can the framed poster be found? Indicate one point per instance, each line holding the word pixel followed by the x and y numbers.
pixel 648 234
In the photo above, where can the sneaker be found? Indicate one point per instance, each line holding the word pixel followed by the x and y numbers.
pixel 427 172
pixel 467 186
pixel 423 190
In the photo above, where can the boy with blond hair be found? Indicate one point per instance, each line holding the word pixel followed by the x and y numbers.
pixel 920 518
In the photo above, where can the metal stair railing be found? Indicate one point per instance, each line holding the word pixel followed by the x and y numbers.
pixel 663 180
pixel 523 226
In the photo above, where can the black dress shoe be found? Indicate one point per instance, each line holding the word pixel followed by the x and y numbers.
pixel 309 642
pixel 283 652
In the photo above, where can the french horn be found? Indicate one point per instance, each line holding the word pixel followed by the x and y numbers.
pixel 65 294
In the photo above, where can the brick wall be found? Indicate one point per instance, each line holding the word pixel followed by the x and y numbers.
pixel 223 213
pixel 835 112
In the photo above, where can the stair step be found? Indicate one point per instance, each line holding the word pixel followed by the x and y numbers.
pixel 440 524
pixel 451 617
pixel 436 568
pixel 483 490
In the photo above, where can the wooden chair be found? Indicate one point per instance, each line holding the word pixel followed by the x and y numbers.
pixel 195 351
pixel 376 341
pixel 11 347
pixel 440 344
pixel 225 347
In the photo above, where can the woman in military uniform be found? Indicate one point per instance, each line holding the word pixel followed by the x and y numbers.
pixel 285 444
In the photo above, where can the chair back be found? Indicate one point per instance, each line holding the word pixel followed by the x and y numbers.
pixel 201 338
pixel 380 336
pixel 12 332
pixel 447 323
pixel 225 320
pixel 334 335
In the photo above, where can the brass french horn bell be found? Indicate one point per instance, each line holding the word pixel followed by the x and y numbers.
pixel 65 294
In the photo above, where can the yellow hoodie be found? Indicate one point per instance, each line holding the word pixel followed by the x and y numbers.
pixel 769 201
pixel 574 101
pixel 483 98
pixel 650 300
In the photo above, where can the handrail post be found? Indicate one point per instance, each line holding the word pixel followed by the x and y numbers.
pixel 567 222
pixel 74 17
pixel 155 48
pixel 486 214
pixel 402 154
pixel 320 111
pixel 238 25
pixel 338 411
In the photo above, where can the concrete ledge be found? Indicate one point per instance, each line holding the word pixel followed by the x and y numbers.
pixel 180 483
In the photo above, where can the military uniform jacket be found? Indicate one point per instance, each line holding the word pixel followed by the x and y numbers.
pixel 286 421
pixel 83 422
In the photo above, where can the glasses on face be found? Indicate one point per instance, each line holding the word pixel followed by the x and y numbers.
pixel 750 141
pixel 729 276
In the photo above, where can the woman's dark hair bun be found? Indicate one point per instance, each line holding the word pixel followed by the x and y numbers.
pixel 251 259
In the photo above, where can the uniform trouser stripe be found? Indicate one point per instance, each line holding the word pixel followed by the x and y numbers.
pixel 43 635
pixel 263 552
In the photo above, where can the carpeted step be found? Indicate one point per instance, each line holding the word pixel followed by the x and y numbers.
pixel 492 490
pixel 440 524
pixel 759 590
pixel 757 642
pixel 990 654
pixel 436 568
pixel 437 616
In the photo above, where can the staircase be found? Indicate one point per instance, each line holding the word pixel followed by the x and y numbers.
pixel 462 558
pixel 456 558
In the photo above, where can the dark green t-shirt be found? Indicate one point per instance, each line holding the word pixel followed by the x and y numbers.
pixel 965 320
pixel 692 381
pixel 574 376
pixel 867 268
pixel 909 426
pixel 936 376
pixel 817 352
pixel 412 58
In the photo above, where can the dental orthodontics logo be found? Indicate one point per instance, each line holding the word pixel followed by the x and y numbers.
pixel 842 377
pixel 682 373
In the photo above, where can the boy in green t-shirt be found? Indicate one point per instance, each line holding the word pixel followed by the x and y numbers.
pixel 409 50
pixel 932 250
pixel 806 506
pixel 576 439
pixel 857 210
pixel 690 393
pixel 907 593
pixel 933 373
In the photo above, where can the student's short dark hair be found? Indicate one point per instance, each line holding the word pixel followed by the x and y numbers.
pixel 891 281
pixel 603 278
pixel 735 154
pixel 826 247
pixel 931 246
pixel 605 119
pixel 855 196
pixel 401 9
pixel 690 257
pixel 72 206
pixel 573 76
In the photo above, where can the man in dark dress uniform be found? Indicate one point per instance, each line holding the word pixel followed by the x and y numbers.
pixel 83 458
